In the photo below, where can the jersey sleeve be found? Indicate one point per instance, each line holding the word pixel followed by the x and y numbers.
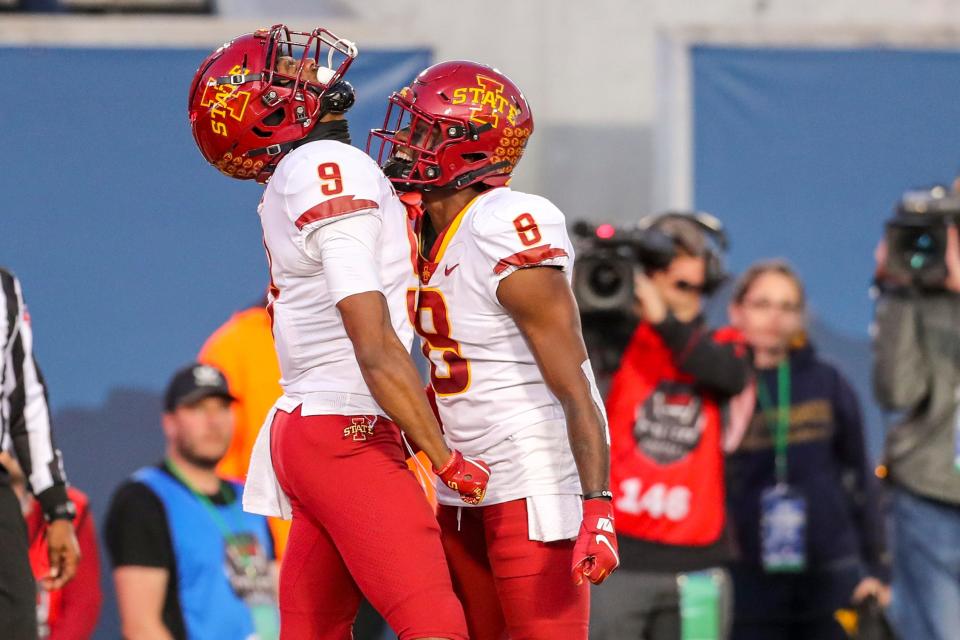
pixel 324 187
pixel 522 233
pixel 348 252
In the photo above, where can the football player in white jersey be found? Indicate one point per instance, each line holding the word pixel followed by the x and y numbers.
pixel 339 248
pixel 501 329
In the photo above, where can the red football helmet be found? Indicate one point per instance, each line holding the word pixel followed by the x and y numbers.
pixel 459 123
pixel 251 100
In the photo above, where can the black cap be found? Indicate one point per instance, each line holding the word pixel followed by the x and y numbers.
pixel 194 383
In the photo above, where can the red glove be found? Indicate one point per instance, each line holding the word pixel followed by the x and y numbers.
pixel 466 476
pixel 595 556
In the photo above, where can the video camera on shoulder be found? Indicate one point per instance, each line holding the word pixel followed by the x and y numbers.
pixel 603 275
pixel 608 255
pixel 916 237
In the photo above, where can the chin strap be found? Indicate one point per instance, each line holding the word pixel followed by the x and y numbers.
pixel 469 177
pixel 337 130
pixel 239 78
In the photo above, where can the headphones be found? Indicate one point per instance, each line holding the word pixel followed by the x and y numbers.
pixel 656 248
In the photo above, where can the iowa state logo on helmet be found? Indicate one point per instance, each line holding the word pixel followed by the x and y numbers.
pixel 487 102
pixel 225 100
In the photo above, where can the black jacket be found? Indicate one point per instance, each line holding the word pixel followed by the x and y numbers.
pixel 827 462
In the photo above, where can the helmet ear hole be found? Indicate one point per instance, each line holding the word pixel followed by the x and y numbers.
pixel 274 118
pixel 473 157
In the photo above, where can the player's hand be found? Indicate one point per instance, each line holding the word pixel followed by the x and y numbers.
pixel 64 553
pixel 595 555
pixel 466 476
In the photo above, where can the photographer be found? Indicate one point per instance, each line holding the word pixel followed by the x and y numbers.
pixel 917 374
pixel 667 469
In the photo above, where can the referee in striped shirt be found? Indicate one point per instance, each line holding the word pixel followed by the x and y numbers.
pixel 25 424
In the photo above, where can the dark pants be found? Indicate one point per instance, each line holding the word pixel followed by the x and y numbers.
pixel 18 590
pixel 791 606
pixel 641 605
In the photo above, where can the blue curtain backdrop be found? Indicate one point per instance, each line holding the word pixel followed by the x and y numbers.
pixel 803 153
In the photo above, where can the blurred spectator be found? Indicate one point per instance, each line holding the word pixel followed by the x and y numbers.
pixel 667 473
pixel 242 348
pixel 71 612
pixel 188 561
pixel 801 492
pixel 25 424
pixel 917 374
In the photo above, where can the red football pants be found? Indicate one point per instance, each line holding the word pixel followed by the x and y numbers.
pixel 511 586
pixel 361 523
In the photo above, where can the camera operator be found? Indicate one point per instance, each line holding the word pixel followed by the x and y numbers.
pixel 917 374
pixel 667 470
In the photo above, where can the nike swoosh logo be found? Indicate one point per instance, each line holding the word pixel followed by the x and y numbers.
pixel 602 539
pixel 448 270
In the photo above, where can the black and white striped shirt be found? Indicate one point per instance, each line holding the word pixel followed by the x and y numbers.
pixel 24 413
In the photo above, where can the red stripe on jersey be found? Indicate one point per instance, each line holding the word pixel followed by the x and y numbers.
pixel 334 207
pixel 529 258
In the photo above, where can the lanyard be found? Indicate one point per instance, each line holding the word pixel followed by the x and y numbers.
pixel 781 430
pixel 215 514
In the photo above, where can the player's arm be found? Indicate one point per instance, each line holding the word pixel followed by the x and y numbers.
pixel 140 595
pixel 541 302
pixel 347 249
pixel 527 253
pixel 389 372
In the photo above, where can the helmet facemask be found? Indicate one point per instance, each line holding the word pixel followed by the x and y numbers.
pixel 413 146
pixel 263 92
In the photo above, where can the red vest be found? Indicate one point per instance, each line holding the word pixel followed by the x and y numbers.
pixel 49 603
pixel 666 460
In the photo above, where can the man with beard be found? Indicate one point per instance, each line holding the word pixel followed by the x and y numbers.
pixel 188 561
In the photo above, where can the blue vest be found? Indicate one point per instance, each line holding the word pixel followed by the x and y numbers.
pixel 211 609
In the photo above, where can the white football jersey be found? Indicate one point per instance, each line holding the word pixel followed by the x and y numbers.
pixel 329 183
pixel 490 393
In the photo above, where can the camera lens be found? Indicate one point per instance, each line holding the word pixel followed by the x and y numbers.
pixel 605 279
pixel 921 249
pixel 603 282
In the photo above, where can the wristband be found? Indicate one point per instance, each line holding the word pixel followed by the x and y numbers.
pixel 603 495
pixel 63 511
pixel 448 464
